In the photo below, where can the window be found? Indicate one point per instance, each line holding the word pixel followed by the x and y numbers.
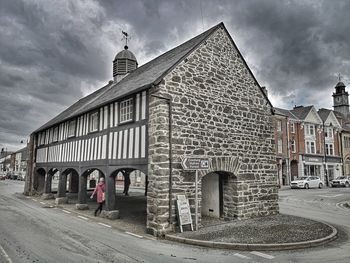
pixel 279 125
pixel 329 149
pixel 329 133
pixel 292 146
pixel 292 127
pixel 126 110
pixel 94 121
pixel 309 129
pixel 55 134
pixel 71 128
pixel 310 147
pixel 279 146
pixel 346 142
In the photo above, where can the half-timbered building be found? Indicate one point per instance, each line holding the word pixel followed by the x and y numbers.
pixel 199 99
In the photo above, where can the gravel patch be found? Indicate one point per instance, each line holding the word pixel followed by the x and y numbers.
pixel 276 229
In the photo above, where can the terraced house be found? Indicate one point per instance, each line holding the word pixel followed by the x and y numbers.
pixel 198 99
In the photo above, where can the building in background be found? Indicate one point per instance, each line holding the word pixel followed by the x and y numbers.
pixel 311 142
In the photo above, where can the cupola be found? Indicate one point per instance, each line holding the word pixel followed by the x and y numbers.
pixel 124 62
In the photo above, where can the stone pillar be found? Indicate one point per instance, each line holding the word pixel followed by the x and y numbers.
pixel 110 211
pixel 62 188
pixel 82 193
pixel 47 188
pixel 73 183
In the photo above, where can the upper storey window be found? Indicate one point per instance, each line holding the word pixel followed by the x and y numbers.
pixel 279 125
pixel 309 129
pixel 292 127
pixel 94 121
pixel 126 110
pixel 329 133
pixel 71 128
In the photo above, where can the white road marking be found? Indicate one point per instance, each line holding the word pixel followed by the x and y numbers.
pixel 104 225
pixel 241 256
pixel 7 257
pixel 34 200
pixel 82 217
pixel 263 255
pixel 331 196
pixel 132 234
pixel 66 211
pixel 42 203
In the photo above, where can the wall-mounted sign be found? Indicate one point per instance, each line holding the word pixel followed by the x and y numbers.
pixel 195 163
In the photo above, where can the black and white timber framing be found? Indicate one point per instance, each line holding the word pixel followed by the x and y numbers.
pixel 114 143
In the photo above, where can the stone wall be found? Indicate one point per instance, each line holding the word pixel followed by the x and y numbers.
pixel 218 111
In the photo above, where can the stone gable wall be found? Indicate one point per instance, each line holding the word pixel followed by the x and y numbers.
pixel 218 111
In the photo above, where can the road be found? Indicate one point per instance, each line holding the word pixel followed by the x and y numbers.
pixel 29 232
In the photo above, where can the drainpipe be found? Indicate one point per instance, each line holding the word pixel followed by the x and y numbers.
pixel 325 154
pixel 288 153
pixel 169 101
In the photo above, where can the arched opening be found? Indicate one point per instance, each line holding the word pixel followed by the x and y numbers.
pixel 213 186
pixel 72 180
pixel 52 180
pixel 131 195
pixel 294 170
pixel 87 182
pixel 40 180
pixel 65 184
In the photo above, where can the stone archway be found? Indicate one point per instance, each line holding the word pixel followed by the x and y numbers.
pixel 218 186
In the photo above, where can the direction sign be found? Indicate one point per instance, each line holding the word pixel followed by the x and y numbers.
pixel 195 163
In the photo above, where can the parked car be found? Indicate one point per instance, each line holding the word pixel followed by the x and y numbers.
pixel 307 182
pixel 341 181
pixel 9 175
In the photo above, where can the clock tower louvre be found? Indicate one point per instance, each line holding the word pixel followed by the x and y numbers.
pixel 341 99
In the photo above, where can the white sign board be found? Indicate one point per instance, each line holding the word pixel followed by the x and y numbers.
pixel 183 212
pixel 195 163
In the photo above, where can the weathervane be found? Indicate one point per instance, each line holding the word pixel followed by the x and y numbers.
pixel 339 77
pixel 126 37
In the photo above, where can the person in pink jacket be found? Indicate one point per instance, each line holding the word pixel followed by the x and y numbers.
pixel 100 195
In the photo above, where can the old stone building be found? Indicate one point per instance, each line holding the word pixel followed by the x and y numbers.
pixel 199 99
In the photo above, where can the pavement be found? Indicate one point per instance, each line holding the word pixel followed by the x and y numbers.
pixel 276 232
pixel 132 210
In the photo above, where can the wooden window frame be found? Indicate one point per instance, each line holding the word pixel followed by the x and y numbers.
pixel 75 128
pixel 120 122
pixel 91 123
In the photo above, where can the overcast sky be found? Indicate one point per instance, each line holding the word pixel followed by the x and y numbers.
pixel 54 52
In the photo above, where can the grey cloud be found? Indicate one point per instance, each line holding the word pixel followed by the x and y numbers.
pixel 51 53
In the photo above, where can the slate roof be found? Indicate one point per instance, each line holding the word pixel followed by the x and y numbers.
pixel 141 78
pixel 324 113
pixel 301 112
pixel 285 112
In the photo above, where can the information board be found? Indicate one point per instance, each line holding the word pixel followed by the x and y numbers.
pixel 183 212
